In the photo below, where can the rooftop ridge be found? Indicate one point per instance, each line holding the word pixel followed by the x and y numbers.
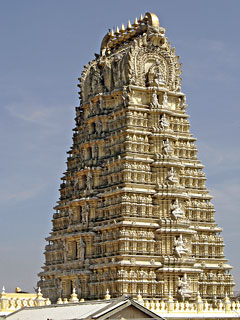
pixel 150 23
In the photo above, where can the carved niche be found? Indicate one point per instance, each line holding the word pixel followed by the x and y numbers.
pixel 154 66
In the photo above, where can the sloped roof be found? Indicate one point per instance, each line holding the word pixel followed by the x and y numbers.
pixel 84 310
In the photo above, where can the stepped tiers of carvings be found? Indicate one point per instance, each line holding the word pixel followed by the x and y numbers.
pixel 134 213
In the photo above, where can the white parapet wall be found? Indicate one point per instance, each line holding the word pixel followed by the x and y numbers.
pixel 171 309
pixel 10 302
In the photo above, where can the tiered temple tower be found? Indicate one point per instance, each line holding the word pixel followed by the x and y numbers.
pixel 134 213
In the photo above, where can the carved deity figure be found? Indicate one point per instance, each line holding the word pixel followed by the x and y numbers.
pixel 95 151
pixel 155 103
pixel 65 250
pixel 155 75
pixel 91 108
pixel 167 149
pixel 85 213
pixel 59 287
pixel 125 97
pixel 96 80
pixel 143 274
pixel 116 72
pixel 184 287
pixel 163 122
pixel 99 126
pixel 172 176
pixel 79 287
pixel 165 100
pixel 70 214
pixel 182 102
pixel 89 181
pixel 180 246
pixel 82 247
pixel 75 185
pixel 177 210
pixel 100 104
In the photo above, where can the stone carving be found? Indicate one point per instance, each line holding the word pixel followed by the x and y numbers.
pixel 167 149
pixel 163 122
pixel 125 96
pixel 95 80
pixel 79 287
pixel 156 75
pixel 100 104
pixel 82 248
pixel 155 104
pixel 172 178
pixel 65 250
pixel 182 102
pixel 75 185
pixel 91 108
pixel 125 218
pixel 180 246
pixel 132 274
pixel 165 100
pixel 176 210
pixel 70 214
pixel 89 181
pixel 184 287
pixel 116 71
pixel 59 287
pixel 85 213
pixel 99 126
pixel 96 151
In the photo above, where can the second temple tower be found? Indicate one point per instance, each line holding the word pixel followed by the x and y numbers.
pixel 134 213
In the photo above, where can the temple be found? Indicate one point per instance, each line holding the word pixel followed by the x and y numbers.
pixel 134 215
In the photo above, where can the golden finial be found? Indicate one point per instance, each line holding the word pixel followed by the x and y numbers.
pixel 112 34
pixel 122 30
pixel 129 26
pixel 141 19
pixel 117 32
pixel 135 24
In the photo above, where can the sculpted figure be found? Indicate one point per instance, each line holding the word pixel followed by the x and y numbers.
pixel 82 247
pixel 158 79
pixel 96 80
pixel 75 185
pixel 179 246
pixel 65 250
pixel 155 103
pixel 70 214
pixel 100 104
pixel 116 72
pixel 172 176
pixel 125 97
pixel 99 126
pixel 176 210
pixel 89 180
pixel 167 149
pixel 182 102
pixel 155 74
pixel 85 213
pixel 59 287
pixel 164 123
pixel 165 100
pixel 79 287
pixel 95 151
pixel 90 108
pixel 184 287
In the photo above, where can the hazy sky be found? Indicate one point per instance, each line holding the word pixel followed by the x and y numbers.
pixel 44 46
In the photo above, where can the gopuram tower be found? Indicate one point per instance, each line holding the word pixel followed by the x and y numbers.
pixel 134 214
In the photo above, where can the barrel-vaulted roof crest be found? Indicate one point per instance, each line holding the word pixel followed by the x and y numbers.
pixel 139 55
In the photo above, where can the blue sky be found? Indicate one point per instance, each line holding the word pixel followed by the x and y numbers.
pixel 44 46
